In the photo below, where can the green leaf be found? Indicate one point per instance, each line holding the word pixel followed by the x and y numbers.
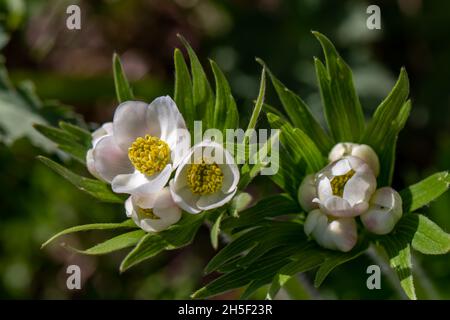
pixel 297 141
pixel 425 191
pixel 119 242
pixel 341 103
pixel 183 90
pixel 300 114
pixel 225 110
pixel 65 141
pixel 95 188
pixel 81 135
pixel 127 224
pixel 424 235
pixel 203 95
pixel 215 231
pixel 272 206
pixel 176 236
pixel 123 89
pixel 259 103
pixel 399 252
pixel 335 259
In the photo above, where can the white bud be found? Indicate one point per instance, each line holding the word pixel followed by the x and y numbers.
pixel 335 234
pixel 307 192
pixel 385 209
pixel 362 151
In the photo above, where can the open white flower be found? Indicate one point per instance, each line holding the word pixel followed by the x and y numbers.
pixel 206 178
pixel 344 187
pixel 145 145
pixel 384 211
pixel 331 233
pixel 362 151
pixel 154 212
pixel 104 130
pixel 307 192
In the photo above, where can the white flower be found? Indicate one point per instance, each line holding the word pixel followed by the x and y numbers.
pixel 335 234
pixel 206 178
pixel 362 151
pixel 384 211
pixel 345 187
pixel 104 130
pixel 145 145
pixel 307 192
pixel 154 212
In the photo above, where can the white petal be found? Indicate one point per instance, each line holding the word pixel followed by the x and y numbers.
pixel 324 190
pixel 184 198
pixel 340 150
pixel 110 160
pixel 340 167
pixel 163 115
pixel 360 187
pixel 169 216
pixel 311 221
pixel 140 184
pixel 337 207
pixel 180 147
pixel 105 129
pixel 230 177
pixel 343 233
pixel 307 192
pixel 368 155
pixel 130 123
pixel 215 200
pixel 129 206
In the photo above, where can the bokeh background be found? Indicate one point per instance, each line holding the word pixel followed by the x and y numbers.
pixel 74 68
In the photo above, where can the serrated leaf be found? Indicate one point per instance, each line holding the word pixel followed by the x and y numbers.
pixel 300 114
pixel 297 141
pixel 341 103
pixel 424 235
pixel 183 90
pixel 425 191
pixel 119 242
pixel 123 89
pixel 225 110
pixel 127 224
pixel 176 236
pixel 203 95
pixel 95 188
pixel 335 259
pixel 272 206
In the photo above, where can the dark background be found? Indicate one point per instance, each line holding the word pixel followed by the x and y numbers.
pixel 74 67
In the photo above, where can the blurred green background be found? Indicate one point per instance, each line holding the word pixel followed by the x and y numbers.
pixel 74 67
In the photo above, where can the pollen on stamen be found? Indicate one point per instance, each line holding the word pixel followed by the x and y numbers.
pixel 147 214
pixel 338 183
pixel 204 178
pixel 149 154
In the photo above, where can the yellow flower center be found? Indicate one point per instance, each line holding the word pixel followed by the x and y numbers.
pixel 338 183
pixel 147 214
pixel 149 154
pixel 204 178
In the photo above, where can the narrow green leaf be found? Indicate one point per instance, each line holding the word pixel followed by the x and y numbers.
pixel 399 253
pixel 127 224
pixel 95 188
pixel 183 90
pixel 225 110
pixel 425 191
pixel 123 89
pixel 215 231
pixel 276 205
pixel 335 259
pixel 119 242
pixel 341 103
pixel 82 136
pixel 202 93
pixel 259 102
pixel 300 114
pixel 176 236
pixel 297 141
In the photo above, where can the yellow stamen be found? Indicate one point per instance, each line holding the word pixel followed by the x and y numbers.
pixel 147 214
pixel 204 178
pixel 149 154
pixel 338 183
